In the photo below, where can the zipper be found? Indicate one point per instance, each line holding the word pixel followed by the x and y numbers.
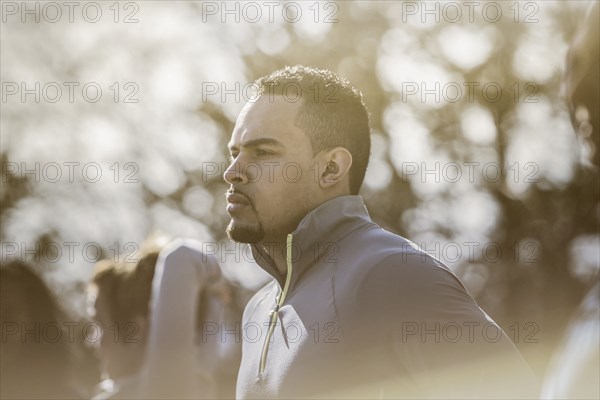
pixel 278 303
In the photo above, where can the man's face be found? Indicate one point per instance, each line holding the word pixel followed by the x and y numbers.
pixel 272 183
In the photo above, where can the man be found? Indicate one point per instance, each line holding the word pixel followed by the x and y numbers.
pixel 353 310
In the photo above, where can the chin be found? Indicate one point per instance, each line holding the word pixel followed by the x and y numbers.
pixel 245 234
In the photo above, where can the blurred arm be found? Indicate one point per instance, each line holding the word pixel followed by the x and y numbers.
pixel 170 369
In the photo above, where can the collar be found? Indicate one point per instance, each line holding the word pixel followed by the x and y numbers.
pixel 316 239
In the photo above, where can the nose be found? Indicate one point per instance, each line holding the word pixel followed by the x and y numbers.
pixel 234 173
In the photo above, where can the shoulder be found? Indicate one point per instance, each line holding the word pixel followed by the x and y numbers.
pixel 187 247
pixel 411 281
pixel 191 253
pixel 379 257
pixel 379 264
pixel 410 268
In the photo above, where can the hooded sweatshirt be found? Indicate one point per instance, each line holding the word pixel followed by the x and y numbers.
pixel 364 313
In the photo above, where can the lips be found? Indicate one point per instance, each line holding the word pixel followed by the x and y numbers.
pixel 236 202
pixel 235 198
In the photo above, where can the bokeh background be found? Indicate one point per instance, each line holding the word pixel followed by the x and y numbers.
pixel 522 235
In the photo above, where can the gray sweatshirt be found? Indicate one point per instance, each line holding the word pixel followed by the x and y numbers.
pixel 364 313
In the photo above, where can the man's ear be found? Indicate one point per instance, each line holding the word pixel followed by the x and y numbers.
pixel 335 167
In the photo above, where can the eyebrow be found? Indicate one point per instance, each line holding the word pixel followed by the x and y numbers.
pixel 256 143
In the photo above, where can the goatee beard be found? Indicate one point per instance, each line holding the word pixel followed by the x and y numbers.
pixel 245 234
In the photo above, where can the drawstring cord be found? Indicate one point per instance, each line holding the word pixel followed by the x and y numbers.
pixel 279 302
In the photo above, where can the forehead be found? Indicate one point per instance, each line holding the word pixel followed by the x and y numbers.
pixel 269 118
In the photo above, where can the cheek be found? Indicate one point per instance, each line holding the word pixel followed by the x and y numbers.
pixel 273 199
pixel 280 172
pixel 293 174
pixel 254 172
pixel 281 187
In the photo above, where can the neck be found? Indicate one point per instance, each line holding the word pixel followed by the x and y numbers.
pixel 276 245
pixel 277 250
pixel 314 237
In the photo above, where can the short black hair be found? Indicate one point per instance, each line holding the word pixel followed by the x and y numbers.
pixel 126 288
pixel 332 114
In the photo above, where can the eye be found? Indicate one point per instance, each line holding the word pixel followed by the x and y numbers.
pixel 260 152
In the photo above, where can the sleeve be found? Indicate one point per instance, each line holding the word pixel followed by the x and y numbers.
pixel 170 369
pixel 448 346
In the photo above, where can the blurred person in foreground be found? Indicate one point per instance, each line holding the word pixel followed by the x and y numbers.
pixel 353 311
pixel 40 356
pixel 122 292
pixel 152 313
pixel 575 369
